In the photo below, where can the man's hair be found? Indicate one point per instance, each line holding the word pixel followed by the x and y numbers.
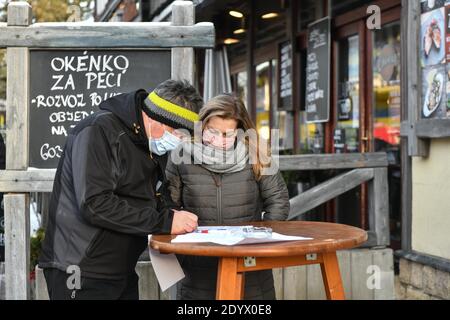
pixel 180 92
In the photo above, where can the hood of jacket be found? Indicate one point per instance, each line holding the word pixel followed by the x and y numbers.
pixel 127 107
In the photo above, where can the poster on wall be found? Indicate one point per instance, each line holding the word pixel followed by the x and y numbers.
pixel 432 40
pixel 433 88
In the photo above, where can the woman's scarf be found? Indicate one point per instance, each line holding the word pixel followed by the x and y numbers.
pixel 218 160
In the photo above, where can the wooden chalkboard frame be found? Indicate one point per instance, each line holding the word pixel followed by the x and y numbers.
pixel 19 35
pixel 43 127
pixel 328 86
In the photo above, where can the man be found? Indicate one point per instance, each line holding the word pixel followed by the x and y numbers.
pixel 108 193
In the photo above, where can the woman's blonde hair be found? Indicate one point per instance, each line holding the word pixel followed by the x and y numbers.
pixel 228 106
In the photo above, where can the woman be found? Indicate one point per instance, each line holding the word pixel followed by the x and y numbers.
pixel 222 185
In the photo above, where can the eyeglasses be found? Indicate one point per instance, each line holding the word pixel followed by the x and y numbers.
pixel 218 133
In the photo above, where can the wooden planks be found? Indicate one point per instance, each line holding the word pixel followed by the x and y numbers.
pixel 108 35
pixel 18 63
pixel 433 128
pixel 379 206
pixel 410 77
pixel 305 282
pixel 17 206
pixel 328 190
pixel 183 58
pixel 17 250
pixel 27 181
pixel 333 161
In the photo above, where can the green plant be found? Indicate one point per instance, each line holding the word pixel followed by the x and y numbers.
pixel 35 247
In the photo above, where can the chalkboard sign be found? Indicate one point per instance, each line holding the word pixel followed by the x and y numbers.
pixel 285 76
pixel 67 86
pixel 318 72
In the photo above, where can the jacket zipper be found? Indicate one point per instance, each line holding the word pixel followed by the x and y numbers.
pixel 219 200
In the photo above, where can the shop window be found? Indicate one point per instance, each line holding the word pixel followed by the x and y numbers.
pixel 386 114
pixel 347 123
pixel 386 90
pixel 241 86
pixel 263 99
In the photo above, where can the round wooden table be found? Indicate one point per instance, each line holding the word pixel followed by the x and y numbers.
pixel 234 261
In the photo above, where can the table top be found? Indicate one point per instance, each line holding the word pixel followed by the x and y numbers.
pixel 327 237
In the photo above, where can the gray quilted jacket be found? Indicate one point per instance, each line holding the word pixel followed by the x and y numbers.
pixel 224 199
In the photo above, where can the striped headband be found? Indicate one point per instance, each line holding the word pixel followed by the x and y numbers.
pixel 169 113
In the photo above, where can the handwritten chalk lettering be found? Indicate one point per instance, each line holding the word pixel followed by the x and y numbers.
pixel 90 63
pixel 58 84
pixel 47 152
pixel 58 101
pixel 103 80
pixel 59 131
pixel 61 116
pixel 96 99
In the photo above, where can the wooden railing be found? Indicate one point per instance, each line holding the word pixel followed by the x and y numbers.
pixel 363 167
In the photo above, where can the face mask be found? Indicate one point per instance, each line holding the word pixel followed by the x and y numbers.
pixel 162 145
pixel 218 141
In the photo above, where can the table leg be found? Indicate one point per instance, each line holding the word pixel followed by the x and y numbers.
pixel 332 277
pixel 230 282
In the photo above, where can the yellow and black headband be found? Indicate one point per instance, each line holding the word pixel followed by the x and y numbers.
pixel 169 113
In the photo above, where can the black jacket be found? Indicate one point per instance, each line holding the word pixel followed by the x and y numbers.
pixel 104 201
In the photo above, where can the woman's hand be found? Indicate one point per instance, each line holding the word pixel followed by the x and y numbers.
pixel 183 222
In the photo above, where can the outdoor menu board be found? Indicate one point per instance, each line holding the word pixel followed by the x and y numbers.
pixel 318 72
pixel 285 74
pixel 67 86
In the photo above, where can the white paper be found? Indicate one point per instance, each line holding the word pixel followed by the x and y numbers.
pixel 226 238
pixel 167 268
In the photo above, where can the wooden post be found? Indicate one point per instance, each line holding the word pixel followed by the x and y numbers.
pixel 251 71
pixel 17 246
pixel 183 58
pixel 331 276
pixel 379 206
pixel 17 206
pixel 230 282
pixel 183 14
pixel 18 60
pixel 411 75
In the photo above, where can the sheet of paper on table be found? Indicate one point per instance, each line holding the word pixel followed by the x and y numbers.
pixel 230 236
pixel 167 268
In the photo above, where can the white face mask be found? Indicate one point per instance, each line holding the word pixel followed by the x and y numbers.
pixel 166 143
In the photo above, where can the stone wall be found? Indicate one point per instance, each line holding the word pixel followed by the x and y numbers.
pixel 422 282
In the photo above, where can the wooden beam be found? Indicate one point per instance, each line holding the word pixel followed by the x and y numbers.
pixel 410 77
pixel 433 128
pixel 250 60
pixel 379 206
pixel 18 88
pixel 17 206
pixel 183 58
pixel 333 161
pixel 108 35
pixel 17 249
pixel 328 190
pixel 27 181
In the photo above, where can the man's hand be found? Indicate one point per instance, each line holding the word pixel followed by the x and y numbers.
pixel 183 222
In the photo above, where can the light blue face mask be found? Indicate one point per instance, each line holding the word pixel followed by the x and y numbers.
pixel 162 145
